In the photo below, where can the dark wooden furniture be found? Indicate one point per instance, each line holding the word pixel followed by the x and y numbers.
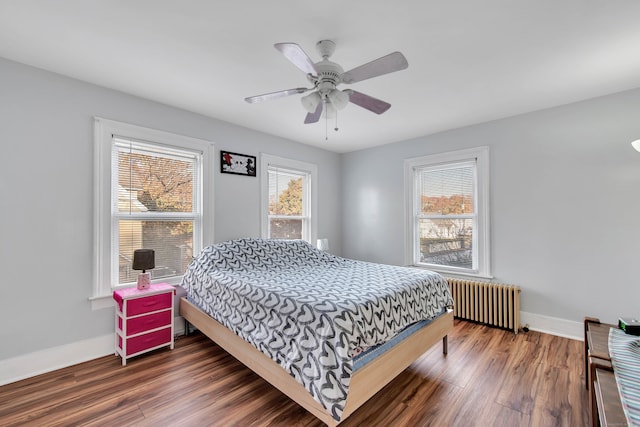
pixel 608 405
pixel 606 408
pixel 596 337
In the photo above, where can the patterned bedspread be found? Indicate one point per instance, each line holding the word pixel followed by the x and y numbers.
pixel 308 310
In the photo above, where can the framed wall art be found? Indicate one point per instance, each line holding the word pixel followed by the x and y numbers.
pixel 239 164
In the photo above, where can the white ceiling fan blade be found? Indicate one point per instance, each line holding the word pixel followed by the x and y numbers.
pixel 297 56
pixel 368 102
pixel 387 64
pixel 274 95
pixel 315 116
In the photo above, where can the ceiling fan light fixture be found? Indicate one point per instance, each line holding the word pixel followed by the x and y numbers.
pixel 338 99
pixel 310 102
pixel 636 144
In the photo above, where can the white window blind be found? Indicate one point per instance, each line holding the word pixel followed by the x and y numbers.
pixel 155 202
pixel 446 215
pixel 288 192
pixel 288 212
pixel 447 197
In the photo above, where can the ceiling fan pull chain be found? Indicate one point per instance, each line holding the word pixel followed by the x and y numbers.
pixel 326 126
pixel 336 128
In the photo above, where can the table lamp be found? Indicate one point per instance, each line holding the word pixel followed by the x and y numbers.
pixel 323 244
pixel 144 259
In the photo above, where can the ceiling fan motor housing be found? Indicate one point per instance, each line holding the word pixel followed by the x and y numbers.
pixel 329 74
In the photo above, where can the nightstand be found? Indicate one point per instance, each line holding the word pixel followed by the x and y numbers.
pixel 144 320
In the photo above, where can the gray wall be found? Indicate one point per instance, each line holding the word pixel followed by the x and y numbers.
pixel 46 191
pixel 565 204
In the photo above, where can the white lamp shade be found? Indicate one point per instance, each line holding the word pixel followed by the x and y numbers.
pixel 323 244
pixel 636 144
pixel 310 102
pixel 338 98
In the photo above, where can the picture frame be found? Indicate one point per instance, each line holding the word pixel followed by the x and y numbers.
pixel 237 164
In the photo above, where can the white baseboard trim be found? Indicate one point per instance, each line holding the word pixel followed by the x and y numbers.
pixel 553 325
pixel 43 361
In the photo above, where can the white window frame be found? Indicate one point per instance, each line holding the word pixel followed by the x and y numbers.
pixel 310 189
pixel 482 247
pixel 104 132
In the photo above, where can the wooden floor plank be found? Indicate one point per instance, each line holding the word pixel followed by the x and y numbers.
pixel 490 377
pixel 520 381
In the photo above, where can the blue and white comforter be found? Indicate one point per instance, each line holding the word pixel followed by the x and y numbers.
pixel 308 310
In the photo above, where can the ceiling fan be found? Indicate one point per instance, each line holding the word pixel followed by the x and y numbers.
pixel 326 76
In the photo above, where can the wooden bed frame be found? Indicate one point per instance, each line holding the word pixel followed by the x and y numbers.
pixel 365 382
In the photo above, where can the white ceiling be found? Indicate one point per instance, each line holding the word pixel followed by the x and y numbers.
pixel 470 61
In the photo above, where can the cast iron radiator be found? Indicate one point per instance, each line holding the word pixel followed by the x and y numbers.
pixel 493 304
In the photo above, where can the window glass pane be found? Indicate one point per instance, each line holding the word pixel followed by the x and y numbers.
pixel 151 181
pixel 171 240
pixel 448 211
pixel 285 193
pixel 287 198
pixel 447 242
pixel 285 228
pixel 447 191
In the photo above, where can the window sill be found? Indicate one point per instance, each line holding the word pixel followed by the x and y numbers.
pixel 455 274
pixel 101 302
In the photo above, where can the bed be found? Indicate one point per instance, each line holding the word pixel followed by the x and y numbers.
pixel 328 332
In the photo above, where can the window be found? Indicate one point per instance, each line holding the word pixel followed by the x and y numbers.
pixel 288 198
pixel 447 198
pixel 153 191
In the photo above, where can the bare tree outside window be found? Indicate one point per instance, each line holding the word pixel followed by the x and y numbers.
pixel 154 187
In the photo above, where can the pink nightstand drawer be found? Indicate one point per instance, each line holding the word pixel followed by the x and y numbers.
pixel 148 304
pixel 146 323
pixel 147 341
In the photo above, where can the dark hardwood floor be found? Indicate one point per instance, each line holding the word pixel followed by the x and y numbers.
pixel 490 377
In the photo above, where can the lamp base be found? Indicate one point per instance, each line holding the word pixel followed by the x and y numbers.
pixel 144 280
